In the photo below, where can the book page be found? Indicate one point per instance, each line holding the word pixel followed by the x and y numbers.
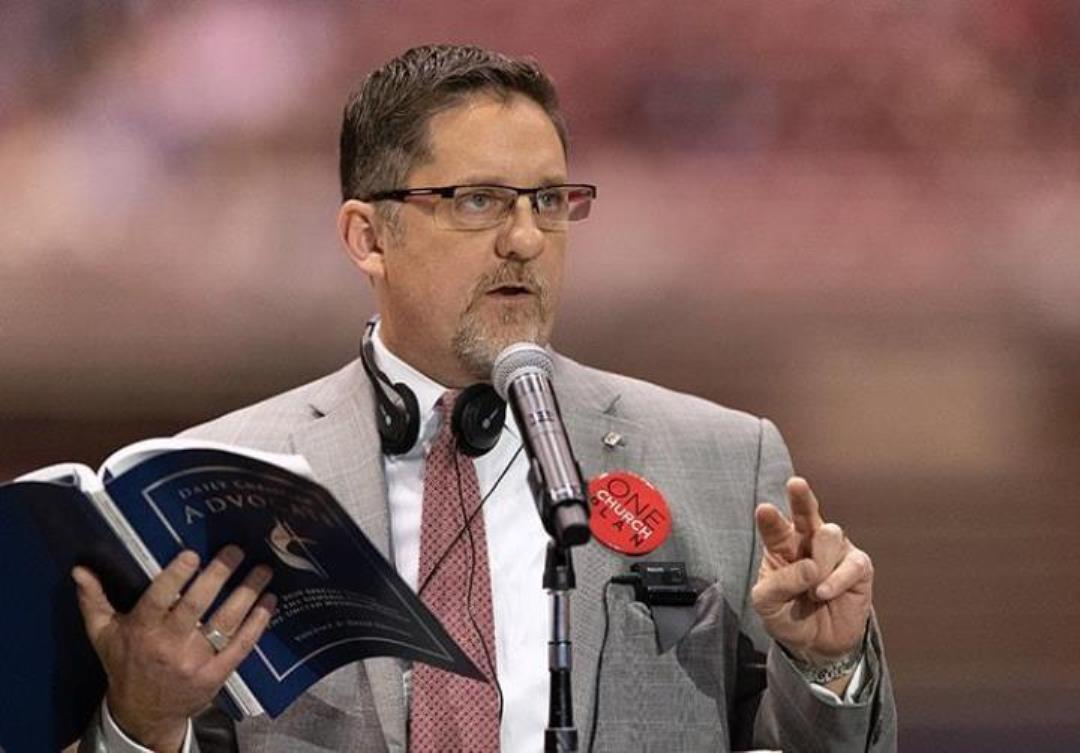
pixel 128 457
pixel 68 474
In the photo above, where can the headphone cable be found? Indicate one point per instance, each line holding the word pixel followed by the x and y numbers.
pixel 468 520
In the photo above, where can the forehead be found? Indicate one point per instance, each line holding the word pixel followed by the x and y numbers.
pixel 487 139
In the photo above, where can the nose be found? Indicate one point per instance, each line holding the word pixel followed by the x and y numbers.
pixel 520 238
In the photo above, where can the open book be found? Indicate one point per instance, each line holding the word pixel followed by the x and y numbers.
pixel 339 600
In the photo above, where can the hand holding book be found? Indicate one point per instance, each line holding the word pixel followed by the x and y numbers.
pixel 161 668
pixel 128 535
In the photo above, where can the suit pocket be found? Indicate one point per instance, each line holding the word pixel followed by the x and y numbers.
pixel 638 619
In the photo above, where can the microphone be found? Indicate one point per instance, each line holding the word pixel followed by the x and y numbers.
pixel 522 377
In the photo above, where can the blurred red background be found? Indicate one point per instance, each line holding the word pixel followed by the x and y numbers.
pixel 857 218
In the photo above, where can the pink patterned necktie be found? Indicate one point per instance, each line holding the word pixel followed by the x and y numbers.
pixel 449 712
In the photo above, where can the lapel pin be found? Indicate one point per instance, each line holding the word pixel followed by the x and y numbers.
pixel 613 439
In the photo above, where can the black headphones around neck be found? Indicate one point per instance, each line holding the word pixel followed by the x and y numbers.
pixel 477 419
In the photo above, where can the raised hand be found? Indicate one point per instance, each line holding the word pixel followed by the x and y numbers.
pixel 814 586
pixel 162 668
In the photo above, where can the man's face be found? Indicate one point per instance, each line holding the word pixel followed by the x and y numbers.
pixel 451 300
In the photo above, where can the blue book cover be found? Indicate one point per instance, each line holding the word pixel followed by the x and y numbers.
pixel 51 681
pixel 339 600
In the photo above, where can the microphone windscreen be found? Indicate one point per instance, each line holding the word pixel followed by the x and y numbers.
pixel 516 360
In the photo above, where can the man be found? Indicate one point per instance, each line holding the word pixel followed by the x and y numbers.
pixel 457 201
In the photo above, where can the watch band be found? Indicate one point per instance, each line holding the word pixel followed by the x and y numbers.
pixel 824 674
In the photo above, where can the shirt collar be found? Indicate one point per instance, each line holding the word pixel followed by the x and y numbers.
pixel 426 389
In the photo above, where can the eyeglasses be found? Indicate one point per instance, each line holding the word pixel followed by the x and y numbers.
pixel 483 207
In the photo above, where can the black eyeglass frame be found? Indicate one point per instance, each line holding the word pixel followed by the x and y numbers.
pixel 447 192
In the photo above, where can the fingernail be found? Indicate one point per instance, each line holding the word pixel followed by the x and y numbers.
pixel 824 592
pixel 262 573
pixel 231 555
pixel 189 558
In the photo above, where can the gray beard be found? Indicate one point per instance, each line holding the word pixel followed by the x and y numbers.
pixel 477 344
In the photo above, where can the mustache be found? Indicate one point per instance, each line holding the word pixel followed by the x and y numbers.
pixel 510 275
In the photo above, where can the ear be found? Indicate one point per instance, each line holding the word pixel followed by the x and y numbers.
pixel 357 231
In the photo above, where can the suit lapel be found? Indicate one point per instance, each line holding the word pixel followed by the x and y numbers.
pixel 602 441
pixel 342 446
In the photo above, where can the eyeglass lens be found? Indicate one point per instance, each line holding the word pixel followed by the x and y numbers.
pixel 487 206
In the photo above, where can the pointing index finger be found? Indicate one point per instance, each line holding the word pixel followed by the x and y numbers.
pixel 805 510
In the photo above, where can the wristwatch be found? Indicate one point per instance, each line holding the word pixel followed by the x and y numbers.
pixel 824 674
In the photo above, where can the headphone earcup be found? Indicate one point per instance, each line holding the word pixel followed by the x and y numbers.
pixel 398 427
pixel 397 412
pixel 478 418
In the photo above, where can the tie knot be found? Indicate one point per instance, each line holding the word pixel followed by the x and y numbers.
pixel 444 406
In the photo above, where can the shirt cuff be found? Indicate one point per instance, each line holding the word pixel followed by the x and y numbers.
pixel 117 742
pixel 850 693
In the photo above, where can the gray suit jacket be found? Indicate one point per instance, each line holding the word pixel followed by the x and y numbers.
pixel 714 691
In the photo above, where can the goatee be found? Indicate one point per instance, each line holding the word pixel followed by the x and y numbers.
pixel 478 340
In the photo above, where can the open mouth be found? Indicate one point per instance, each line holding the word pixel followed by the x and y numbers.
pixel 510 291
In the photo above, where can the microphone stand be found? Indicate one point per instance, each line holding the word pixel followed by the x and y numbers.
pixel 561 735
pixel 567 527
pixel 565 523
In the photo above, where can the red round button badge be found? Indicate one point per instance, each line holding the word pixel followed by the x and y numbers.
pixel 629 514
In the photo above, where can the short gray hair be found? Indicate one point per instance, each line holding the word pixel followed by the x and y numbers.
pixel 384 131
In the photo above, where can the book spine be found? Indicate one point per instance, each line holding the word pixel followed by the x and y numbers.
pixel 240 694
pixel 116 521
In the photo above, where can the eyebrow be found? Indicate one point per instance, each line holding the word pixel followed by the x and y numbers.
pixel 489 180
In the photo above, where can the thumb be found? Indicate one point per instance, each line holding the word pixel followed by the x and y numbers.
pixel 96 610
pixel 775 589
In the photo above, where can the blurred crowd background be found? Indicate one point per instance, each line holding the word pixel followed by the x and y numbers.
pixel 860 219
